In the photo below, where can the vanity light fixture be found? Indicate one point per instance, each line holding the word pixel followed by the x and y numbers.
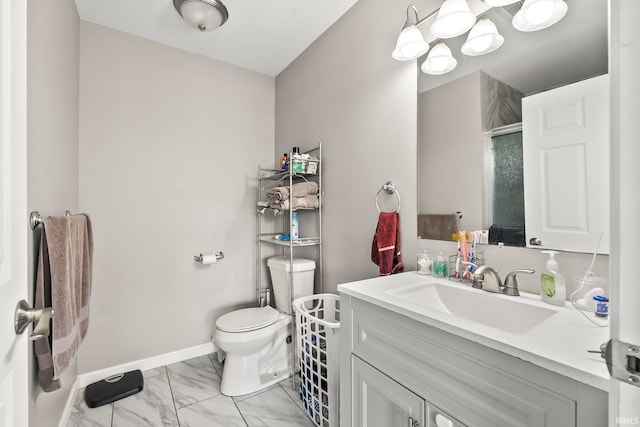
pixel 482 39
pixel 411 43
pixel 439 61
pixel 500 3
pixel 537 15
pixel 454 18
pixel 205 15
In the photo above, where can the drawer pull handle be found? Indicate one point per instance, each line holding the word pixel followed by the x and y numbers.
pixel 442 421
pixel 413 423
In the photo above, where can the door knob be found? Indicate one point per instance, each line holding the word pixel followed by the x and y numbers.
pixel 25 315
pixel 534 241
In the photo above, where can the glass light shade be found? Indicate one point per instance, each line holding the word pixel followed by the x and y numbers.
pixel 454 18
pixel 410 45
pixel 499 3
pixel 202 14
pixel 537 15
pixel 439 61
pixel 483 38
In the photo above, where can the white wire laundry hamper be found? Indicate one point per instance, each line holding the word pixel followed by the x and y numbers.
pixel 318 338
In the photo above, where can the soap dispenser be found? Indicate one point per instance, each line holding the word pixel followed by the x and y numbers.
pixel 552 286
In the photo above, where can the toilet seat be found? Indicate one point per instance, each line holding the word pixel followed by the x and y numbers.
pixel 247 319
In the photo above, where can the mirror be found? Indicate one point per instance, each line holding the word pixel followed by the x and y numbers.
pixel 457 111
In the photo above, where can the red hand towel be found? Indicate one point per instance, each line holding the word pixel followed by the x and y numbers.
pixel 385 250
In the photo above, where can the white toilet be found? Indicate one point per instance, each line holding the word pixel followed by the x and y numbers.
pixel 254 341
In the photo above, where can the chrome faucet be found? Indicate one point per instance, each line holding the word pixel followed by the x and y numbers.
pixel 490 280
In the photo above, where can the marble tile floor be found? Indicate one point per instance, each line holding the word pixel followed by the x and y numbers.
pixel 187 394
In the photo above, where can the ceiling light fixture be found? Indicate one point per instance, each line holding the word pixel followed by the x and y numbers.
pixel 454 18
pixel 205 15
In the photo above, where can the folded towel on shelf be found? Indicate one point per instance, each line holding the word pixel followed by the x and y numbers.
pixel 385 249
pixel 299 189
pixel 63 282
pixel 438 226
pixel 305 202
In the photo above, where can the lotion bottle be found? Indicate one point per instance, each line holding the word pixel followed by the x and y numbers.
pixel 552 286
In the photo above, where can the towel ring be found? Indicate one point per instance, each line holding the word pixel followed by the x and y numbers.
pixel 389 188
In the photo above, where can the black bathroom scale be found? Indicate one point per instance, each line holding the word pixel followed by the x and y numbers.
pixel 113 388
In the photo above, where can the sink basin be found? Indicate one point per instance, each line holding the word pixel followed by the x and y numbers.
pixel 510 314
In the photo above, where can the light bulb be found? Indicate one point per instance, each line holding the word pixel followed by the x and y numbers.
pixel 483 38
pixel 410 44
pixel 539 12
pixel 439 63
pixel 439 60
pixel 481 43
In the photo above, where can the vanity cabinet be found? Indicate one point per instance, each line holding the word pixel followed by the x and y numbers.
pixel 396 370
pixel 383 402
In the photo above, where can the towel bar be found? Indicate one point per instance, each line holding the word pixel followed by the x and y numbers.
pixel 390 188
pixel 35 219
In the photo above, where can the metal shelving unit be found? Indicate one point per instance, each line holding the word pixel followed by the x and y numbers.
pixel 270 178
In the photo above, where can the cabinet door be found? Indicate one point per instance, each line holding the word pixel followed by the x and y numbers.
pixel 566 166
pixel 379 401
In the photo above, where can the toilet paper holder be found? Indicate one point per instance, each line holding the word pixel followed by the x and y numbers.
pixel 200 257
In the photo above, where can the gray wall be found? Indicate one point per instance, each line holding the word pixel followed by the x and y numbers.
pixel 450 154
pixel 346 92
pixel 52 148
pixel 169 146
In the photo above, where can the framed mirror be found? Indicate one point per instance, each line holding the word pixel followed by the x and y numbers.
pixel 459 112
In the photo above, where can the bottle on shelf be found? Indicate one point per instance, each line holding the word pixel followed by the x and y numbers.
pixel 284 162
pixel 294 226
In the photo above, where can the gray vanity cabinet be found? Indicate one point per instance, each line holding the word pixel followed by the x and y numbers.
pixel 379 401
pixel 394 368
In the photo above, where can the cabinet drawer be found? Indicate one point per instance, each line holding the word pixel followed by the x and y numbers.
pixel 477 393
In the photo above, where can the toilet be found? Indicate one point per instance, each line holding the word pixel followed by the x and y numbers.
pixel 254 342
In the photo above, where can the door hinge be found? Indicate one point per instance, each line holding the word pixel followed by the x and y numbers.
pixel 623 360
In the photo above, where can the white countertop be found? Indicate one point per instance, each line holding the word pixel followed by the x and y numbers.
pixel 558 343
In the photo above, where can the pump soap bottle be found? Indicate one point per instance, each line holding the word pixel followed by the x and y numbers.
pixel 552 286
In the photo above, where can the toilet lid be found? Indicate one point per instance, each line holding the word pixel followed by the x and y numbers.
pixel 247 319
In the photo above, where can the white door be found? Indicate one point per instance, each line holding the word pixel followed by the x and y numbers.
pixel 624 400
pixel 565 140
pixel 13 217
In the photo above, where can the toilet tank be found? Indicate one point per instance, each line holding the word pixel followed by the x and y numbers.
pixel 303 274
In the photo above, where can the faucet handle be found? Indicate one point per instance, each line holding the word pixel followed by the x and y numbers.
pixel 511 283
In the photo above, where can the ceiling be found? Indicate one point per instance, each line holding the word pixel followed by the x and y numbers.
pixel 263 36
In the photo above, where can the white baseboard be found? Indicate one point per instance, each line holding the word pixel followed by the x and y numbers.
pixel 84 380
pixel 68 407
pixel 144 364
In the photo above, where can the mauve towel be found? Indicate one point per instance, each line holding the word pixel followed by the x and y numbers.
pixel 63 282
pixel 306 202
pixel 385 249
pixel 299 189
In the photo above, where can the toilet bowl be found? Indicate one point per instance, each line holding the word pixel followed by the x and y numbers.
pixel 256 343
